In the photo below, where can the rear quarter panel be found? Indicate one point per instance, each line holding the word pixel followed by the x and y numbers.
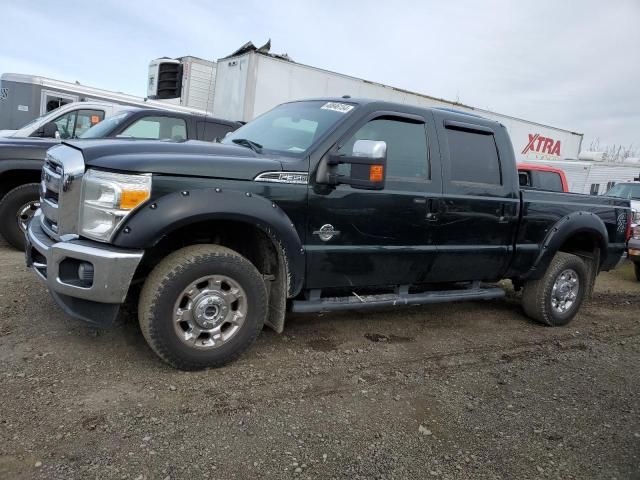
pixel 542 210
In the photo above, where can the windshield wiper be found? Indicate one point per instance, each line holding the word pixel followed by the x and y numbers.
pixel 256 147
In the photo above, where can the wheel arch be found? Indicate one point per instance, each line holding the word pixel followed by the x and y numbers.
pixel 14 173
pixel 235 219
pixel 579 233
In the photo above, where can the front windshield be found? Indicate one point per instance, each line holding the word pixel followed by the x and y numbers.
pixel 105 127
pixel 291 128
pixel 630 191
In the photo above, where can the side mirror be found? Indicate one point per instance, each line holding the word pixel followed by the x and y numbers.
pixel 368 166
pixel 523 178
pixel 50 130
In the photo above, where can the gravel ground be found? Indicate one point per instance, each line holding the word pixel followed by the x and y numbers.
pixel 468 390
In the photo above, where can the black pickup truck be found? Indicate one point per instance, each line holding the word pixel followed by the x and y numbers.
pixel 21 158
pixel 315 206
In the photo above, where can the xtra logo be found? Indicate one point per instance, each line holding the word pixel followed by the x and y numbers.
pixel 4 93
pixel 543 145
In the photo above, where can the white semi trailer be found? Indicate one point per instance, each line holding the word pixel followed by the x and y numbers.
pixel 252 80
pixel 595 177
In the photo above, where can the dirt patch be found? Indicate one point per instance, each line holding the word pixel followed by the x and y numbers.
pixel 460 391
pixel 379 337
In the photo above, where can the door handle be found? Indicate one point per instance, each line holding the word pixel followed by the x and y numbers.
pixel 431 215
pixel 502 217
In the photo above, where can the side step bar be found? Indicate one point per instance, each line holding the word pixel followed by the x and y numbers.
pixel 361 302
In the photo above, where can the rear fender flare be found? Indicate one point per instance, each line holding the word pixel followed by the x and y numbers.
pixel 572 224
pixel 160 217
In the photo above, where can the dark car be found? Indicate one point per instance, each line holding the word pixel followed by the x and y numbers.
pixel 315 206
pixel 21 159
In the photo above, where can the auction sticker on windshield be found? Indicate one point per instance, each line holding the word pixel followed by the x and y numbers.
pixel 337 107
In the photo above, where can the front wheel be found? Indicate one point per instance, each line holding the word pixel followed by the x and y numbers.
pixel 202 306
pixel 636 269
pixel 555 298
pixel 16 210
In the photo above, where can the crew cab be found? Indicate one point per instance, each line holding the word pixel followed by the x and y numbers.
pixel 542 177
pixel 21 158
pixel 315 206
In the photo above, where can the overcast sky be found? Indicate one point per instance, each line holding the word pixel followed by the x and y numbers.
pixel 571 64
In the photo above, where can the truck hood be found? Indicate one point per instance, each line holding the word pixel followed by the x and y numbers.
pixel 14 148
pixel 191 158
pixel 7 133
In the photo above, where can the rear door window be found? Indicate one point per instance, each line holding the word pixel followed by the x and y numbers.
pixel 473 157
pixel 549 181
pixel 87 119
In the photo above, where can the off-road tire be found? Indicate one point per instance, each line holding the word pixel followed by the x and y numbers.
pixel 9 206
pixel 536 297
pixel 170 277
pixel 636 269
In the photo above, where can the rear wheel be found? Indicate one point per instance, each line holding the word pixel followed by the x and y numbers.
pixel 16 210
pixel 202 306
pixel 555 298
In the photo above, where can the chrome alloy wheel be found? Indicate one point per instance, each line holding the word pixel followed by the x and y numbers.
pixel 25 213
pixel 565 291
pixel 210 311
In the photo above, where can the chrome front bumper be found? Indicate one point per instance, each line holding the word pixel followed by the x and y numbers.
pixel 56 263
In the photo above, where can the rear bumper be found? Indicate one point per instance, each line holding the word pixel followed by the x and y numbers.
pixel 94 298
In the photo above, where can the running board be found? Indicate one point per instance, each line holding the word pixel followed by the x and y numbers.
pixel 361 302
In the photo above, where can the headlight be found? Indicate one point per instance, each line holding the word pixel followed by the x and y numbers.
pixel 635 215
pixel 107 198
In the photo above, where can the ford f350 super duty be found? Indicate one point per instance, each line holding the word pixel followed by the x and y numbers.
pixel 315 206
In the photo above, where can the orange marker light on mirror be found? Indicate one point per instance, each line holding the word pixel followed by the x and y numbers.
pixel 376 173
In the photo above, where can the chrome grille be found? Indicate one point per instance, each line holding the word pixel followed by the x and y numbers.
pixel 60 188
pixel 50 186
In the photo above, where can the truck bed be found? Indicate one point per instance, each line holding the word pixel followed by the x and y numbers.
pixel 541 210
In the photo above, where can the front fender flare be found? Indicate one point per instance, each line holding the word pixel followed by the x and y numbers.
pixel 572 224
pixel 157 219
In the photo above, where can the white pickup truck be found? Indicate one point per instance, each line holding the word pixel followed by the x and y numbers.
pixel 71 120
